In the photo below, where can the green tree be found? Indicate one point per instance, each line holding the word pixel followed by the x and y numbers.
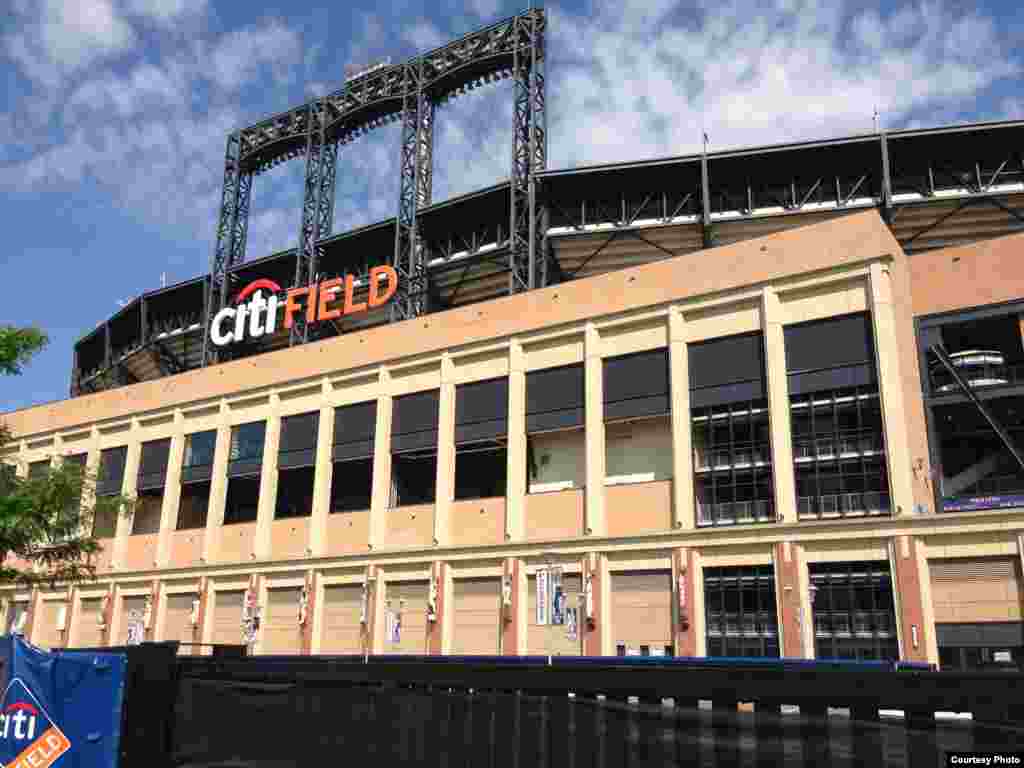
pixel 46 520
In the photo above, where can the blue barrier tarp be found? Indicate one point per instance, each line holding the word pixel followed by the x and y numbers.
pixel 59 709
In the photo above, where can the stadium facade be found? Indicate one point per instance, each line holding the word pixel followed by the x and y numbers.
pixel 759 402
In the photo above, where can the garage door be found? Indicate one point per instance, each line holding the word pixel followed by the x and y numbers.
pixel 542 639
pixel 281 631
pixel 977 589
pixel 476 625
pixel 227 618
pixel 128 604
pixel 49 636
pixel 88 632
pixel 341 631
pixel 642 612
pixel 409 601
pixel 178 621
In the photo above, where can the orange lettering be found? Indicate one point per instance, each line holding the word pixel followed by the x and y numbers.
pixel 326 297
pixel 376 298
pixel 311 303
pixel 291 306
pixel 350 288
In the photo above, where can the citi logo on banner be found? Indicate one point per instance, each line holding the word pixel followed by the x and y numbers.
pixel 28 736
pixel 319 301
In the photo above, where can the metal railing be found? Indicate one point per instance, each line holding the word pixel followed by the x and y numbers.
pixel 739 456
pixel 836 446
pixel 735 512
pixel 856 504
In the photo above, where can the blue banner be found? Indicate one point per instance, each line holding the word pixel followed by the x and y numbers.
pixel 59 709
pixel 974 503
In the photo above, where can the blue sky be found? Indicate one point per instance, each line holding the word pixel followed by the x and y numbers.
pixel 114 115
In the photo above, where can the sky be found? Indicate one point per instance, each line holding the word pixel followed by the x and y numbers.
pixel 114 115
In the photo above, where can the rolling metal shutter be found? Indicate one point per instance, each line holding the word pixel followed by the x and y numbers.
pixel 342 632
pixel 50 636
pixel 977 589
pixel 409 599
pixel 128 604
pixel 727 370
pixel 227 618
pixel 830 354
pixel 542 639
pixel 481 411
pixel 414 421
pixel 197 463
pixel 555 398
pixel 298 441
pixel 636 385
pixel 88 632
pixel 642 610
pixel 177 621
pixel 355 428
pixel 246 455
pixel 153 464
pixel 111 474
pixel 281 631
pixel 477 617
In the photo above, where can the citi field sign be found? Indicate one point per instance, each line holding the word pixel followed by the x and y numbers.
pixel 319 302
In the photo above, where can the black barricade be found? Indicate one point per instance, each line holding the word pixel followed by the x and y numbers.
pixel 247 724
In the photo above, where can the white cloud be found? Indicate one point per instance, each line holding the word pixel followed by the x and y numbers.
pixel 58 37
pixel 166 11
pixel 424 36
pixel 242 54
pixel 487 10
pixel 628 90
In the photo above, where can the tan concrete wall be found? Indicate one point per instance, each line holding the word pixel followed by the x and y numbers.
pixel 638 508
pixel 555 515
pixel 477 522
pixel 987 272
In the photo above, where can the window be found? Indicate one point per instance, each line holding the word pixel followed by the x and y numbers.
pixel 740 610
pixel 38 469
pixel 152 476
pixel 414 448
pixel 836 419
pixel 355 429
pixel 111 474
pixel 196 471
pixel 555 445
pixel 245 461
pixel 638 425
pixel 732 455
pixel 853 611
pixel 297 465
pixel 481 429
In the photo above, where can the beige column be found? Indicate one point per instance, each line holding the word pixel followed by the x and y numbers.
pixel 268 481
pixel 897 452
pixel 445 485
pixel 380 500
pixel 698 626
pixel 322 478
pixel 218 487
pixel 129 486
pixel 593 393
pixel 172 491
pixel 35 616
pixel 92 468
pixel 778 407
pixel 683 513
pixel 516 485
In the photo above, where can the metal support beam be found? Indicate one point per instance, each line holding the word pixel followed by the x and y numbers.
pixel 168 362
pixel 309 222
pixel 408 259
pixel 886 202
pixel 939 351
pixel 529 151
pixel 223 250
pixel 705 194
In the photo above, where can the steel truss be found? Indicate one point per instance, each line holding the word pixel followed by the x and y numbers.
pixel 410 93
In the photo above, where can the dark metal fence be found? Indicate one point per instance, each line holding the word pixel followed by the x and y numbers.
pixel 264 712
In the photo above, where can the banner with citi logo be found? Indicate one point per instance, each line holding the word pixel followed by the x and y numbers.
pixel 59 709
